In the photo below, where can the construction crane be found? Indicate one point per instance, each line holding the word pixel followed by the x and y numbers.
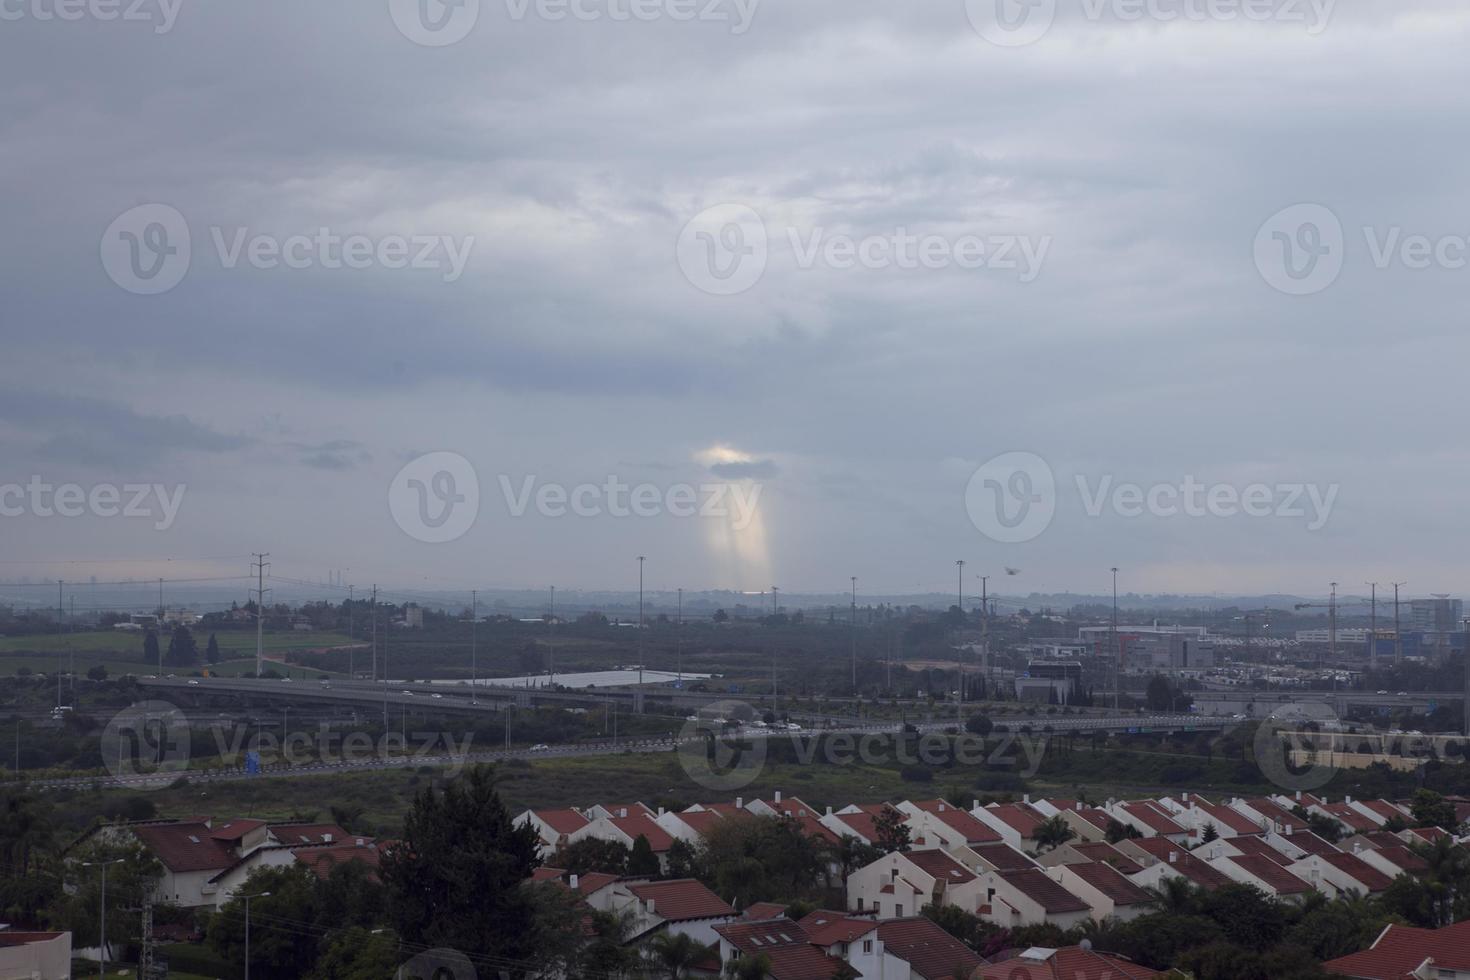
pixel 1332 605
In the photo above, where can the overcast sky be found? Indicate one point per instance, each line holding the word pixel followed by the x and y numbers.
pixel 1111 283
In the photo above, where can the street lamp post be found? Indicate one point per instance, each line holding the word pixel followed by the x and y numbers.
pixel 959 649
pixel 247 899
pixel 853 632
pixel 102 924
pixel 641 560
pixel 1117 651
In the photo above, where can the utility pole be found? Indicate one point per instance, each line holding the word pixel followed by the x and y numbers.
pixel 1332 629
pixel 853 633
pixel 387 634
pixel 640 621
pixel 474 645
pixel 102 926
pixel 351 636
pixel 161 609
pixel 1398 636
pixel 260 567
pixel 1117 649
pixel 679 639
pixel 1373 628
pixel 375 634
pixel 550 635
pixel 959 656
pixel 247 899
pixel 775 611
pixel 985 631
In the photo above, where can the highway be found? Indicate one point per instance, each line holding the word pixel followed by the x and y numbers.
pixel 1040 727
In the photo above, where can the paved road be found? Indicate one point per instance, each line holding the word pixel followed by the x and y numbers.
pixel 1039 726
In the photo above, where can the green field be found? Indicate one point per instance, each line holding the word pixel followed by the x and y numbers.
pixel 122 653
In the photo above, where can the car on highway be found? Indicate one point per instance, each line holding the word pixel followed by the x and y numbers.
pixel 540 747
pixel 285 680
pixel 792 726
pixel 1383 693
pixel 408 694
pixel 1403 694
pixel 193 683
pixel 437 697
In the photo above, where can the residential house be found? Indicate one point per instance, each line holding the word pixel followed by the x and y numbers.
pixel 1110 894
pixel 898 885
pixel 1029 897
pixel 35 955
pixel 553 827
pixel 1069 963
pixel 1408 953
pixel 1265 874
pixel 1088 852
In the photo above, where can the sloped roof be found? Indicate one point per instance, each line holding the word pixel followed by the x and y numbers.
pixel 1400 949
pixel 1223 816
pixel 1402 857
pixel 1152 816
pixel 938 864
pixel 973 830
pixel 1105 853
pixel 1360 870
pixel 1036 885
pixel 1265 870
pixel 701 821
pixel 1271 810
pixel 565 821
pixel 1070 963
pixel 1017 816
pixel 637 824
pixel 825 927
pixel 1197 871
pixel 1258 847
pixel 311 833
pixel 1350 816
pixel 764 910
pixel 763 935
pixel 1105 879
pixel 1004 857
pixel 1311 843
pixel 681 899
pixel 931 953
pixel 235 829
pixel 183 847
pixel 322 858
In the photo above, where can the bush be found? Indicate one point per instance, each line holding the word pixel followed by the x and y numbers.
pixel 916 774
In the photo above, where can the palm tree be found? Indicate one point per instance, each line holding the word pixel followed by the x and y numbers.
pixel 749 967
pixel 1053 832
pixel 1175 895
pixel 674 953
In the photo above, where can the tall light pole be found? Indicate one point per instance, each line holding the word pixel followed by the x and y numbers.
pixel 852 631
pixel 1373 628
pixel 474 646
pixel 550 640
pixel 247 899
pixel 1117 650
pixel 1398 636
pixel 102 925
pixel 351 640
pixel 985 631
pixel 959 655
pixel 641 560
pixel 679 639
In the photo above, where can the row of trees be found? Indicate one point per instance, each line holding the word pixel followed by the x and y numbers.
pixel 183 649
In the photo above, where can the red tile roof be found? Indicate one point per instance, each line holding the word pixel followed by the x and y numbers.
pixel 1402 857
pixel 1200 873
pixel 1071 963
pixel 1273 875
pixel 562 821
pixel 232 830
pixel 1105 853
pixel 701 821
pixel 1349 816
pixel 586 884
pixel 1117 888
pixel 932 953
pixel 312 833
pixel 824 928
pixel 1258 847
pixel 938 864
pixel 1223 816
pixel 1004 857
pixel 801 963
pixel 764 910
pixel 965 823
pixel 1311 843
pixel 1017 816
pixel 859 825
pixel 1037 886
pixel 757 936
pixel 641 824
pixel 1384 809
pixel 1278 814
pixel 323 858
pixel 185 847
pixel 1098 818
pixel 1153 817
pixel 1398 950
pixel 681 899
pixel 1361 871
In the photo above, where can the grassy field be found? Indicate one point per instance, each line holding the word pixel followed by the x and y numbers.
pixel 122 653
